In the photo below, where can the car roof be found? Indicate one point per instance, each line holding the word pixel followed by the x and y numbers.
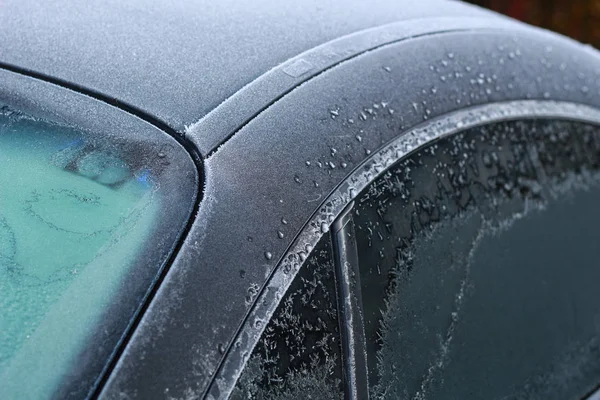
pixel 176 61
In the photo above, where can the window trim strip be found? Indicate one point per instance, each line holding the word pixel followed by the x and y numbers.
pixel 354 350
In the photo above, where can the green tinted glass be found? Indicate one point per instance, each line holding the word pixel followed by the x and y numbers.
pixel 74 216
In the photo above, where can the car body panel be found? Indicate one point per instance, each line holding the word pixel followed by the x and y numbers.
pixel 225 120
pixel 264 183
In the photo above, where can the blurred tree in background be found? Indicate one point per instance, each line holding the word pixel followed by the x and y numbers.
pixel 579 19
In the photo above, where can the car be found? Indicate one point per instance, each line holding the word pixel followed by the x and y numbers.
pixel 309 199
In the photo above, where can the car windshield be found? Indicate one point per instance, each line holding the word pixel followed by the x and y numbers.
pixel 73 218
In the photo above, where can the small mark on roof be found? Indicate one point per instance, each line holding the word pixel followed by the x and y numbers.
pixel 298 68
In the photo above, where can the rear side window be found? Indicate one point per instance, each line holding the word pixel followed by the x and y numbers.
pixel 479 265
pixel 86 223
pixel 299 353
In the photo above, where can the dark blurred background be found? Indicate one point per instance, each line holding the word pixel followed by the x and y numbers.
pixel 579 19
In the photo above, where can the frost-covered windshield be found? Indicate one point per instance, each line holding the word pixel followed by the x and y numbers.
pixel 480 263
pixel 75 214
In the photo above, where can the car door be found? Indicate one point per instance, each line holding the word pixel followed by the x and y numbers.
pixel 471 265
pixel 468 269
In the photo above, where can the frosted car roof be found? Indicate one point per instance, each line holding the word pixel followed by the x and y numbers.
pixel 179 60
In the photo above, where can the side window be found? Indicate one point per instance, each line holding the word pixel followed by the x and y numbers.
pixel 299 355
pixel 479 265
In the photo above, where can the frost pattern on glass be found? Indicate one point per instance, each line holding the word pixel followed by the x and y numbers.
pixel 73 218
pixel 424 230
pixel 298 355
